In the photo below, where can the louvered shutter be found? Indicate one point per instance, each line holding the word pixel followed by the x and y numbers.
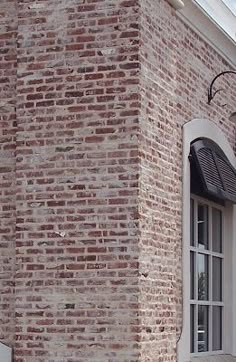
pixel 214 170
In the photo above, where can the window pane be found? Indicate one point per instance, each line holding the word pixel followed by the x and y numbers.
pixel 202 328
pixel 216 230
pixel 192 284
pixel 216 279
pixel 216 328
pixel 202 226
pixel 192 327
pixel 192 222
pixel 202 264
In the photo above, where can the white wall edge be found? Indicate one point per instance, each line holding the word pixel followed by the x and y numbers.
pixel 5 353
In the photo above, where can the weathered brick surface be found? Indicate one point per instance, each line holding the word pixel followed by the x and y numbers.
pixel 7 167
pixel 77 279
pixel 103 90
pixel 176 69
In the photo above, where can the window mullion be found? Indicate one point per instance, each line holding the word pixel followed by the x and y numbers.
pixel 210 276
pixel 195 277
pixel 195 253
pixel 210 332
pixel 196 328
pixel 195 215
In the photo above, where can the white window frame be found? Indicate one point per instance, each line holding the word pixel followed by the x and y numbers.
pixel 195 129
pixel 210 253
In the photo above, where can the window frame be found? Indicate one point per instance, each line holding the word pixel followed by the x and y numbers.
pixel 211 254
pixel 192 130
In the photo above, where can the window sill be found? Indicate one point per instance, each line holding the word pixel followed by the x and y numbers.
pixel 216 358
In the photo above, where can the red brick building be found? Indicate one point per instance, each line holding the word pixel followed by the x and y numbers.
pixel 100 100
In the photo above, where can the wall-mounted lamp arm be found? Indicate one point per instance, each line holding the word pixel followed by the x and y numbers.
pixel 211 95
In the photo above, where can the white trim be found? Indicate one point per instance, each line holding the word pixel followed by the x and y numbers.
pixel 221 15
pixel 233 317
pixel 192 130
pixel 231 5
pixel 217 358
pixel 194 16
pixel 5 353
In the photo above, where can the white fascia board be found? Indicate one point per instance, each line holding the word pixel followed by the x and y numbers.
pixel 198 19
pixel 222 14
pixel 231 4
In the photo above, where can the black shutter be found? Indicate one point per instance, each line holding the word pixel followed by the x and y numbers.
pixel 213 170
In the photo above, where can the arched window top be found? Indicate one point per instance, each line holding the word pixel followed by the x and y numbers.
pixel 203 128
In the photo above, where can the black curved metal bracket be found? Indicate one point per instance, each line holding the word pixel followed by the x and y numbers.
pixel 211 95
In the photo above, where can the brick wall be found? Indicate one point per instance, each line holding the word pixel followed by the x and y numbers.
pixel 77 282
pixel 103 89
pixel 177 67
pixel 8 22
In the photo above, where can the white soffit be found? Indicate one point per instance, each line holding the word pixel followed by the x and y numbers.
pixel 215 21
pixel 231 4
pixel 223 13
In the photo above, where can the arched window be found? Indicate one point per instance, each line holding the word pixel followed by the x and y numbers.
pixel 209 245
